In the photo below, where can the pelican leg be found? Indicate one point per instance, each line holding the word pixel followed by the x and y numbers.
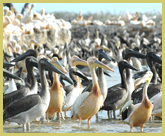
pixel 65 114
pixel 114 116
pixel 152 117
pixel 97 117
pixel 110 114
pixel 131 130
pixel 119 113
pixel 28 125
pixel 62 116
pixel 59 118
pixel 47 118
pixel 79 123
pixel 24 127
pixel 89 123
pixel 141 129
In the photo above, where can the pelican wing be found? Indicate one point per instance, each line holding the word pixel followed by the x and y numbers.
pixel 78 102
pixel 133 109
pixel 114 88
pixel 63 92
pixel 114 96
pixel 21 105
pixel 157 112
pixel 10 97
pixel 88 88
pixel 127 104
pixel 68 89
pixel 70 99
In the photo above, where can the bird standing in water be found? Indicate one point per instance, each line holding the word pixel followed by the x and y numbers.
pixel 89 103
pixel 141 113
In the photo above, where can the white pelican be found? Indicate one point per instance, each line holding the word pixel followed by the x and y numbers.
pixel 76 89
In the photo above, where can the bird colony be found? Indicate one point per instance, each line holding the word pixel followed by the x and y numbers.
pixel 50 68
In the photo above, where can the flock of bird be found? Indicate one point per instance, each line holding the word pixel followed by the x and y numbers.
pixel 34 87
pixel 138 19
pixel 27 21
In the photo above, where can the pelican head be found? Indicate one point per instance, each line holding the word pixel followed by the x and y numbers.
pixel 32 60
pixel 102 54
pixel 46 64
pixel 123 64
pixel 57 64
pixel 29 52
pixel 52 65
pixel 94 62
pixel 154 57
pixel 77 61
pixel 127 53
pixel 146 78
pixel 76 71
pixel 32 41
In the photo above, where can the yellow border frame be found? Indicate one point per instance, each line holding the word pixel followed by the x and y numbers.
pixel 75 1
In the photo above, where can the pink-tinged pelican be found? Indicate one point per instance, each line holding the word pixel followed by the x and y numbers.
pixel 141 112
pixel 89 103
pixel 56 93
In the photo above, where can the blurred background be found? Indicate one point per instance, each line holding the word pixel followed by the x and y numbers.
pixel 101 11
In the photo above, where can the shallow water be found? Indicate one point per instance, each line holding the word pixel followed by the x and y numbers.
pixel 102 126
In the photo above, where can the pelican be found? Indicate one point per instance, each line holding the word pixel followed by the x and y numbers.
pixel 118 94
pixel 75 60
pixel 27 109
pixel 101 78
pixel 80 17
pixel 89 103
pixel 73 91
pixel 20 59
pixel 154 87
pixel 29 14
pixel 97 40
pixel 87 40
pixel 141 113
pixel 29 88
pixel 56 93
pixel 127 54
